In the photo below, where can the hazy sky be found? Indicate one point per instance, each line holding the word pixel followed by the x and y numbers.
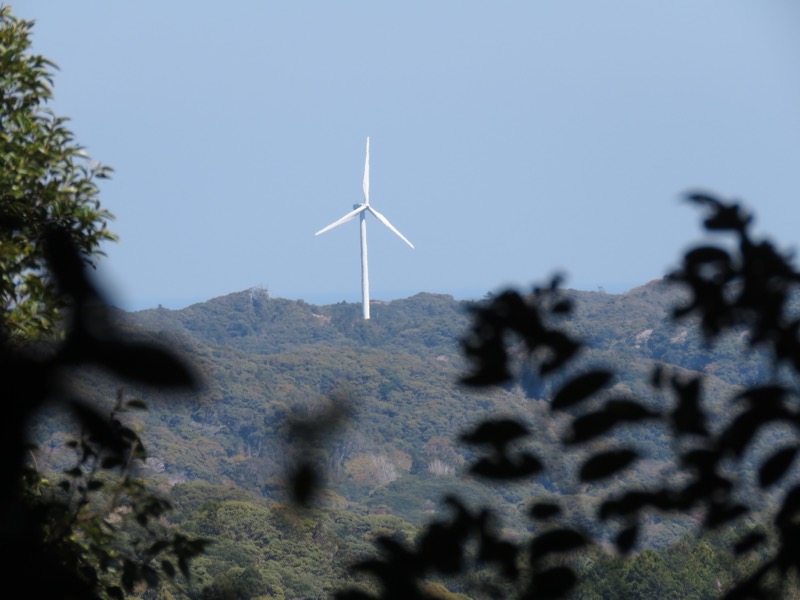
pixel 509 139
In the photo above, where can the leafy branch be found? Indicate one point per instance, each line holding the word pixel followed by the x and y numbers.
pixel 748 286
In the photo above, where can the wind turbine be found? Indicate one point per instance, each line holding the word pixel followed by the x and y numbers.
pixel 362 209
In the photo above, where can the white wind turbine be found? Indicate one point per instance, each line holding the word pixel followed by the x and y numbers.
pixel 362 209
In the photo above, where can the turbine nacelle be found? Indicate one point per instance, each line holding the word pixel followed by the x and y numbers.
pixel 359 208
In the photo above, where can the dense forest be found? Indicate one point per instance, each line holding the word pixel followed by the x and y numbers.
pixel 268 364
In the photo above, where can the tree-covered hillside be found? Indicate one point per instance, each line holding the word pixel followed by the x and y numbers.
pixel 388 392
pixel 396 377
pixel 266 359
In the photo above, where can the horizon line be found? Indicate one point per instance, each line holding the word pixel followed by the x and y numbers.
pixel 328 298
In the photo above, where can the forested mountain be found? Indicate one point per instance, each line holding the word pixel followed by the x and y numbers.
pixel 387 394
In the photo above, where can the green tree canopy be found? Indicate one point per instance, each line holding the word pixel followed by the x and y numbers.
pixel 46 180
pixel 97 530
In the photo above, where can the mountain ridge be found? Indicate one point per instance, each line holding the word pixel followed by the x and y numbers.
pixel 389 387
pixel 269 358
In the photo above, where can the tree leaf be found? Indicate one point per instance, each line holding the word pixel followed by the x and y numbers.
pixel 748 542
pixel 688 417
pixel 544 510
pixel 136 403
pixel 304 484
pixel 497 433
pixel 722 512
pixel 553 583
pixel 606 464
pixel 144 362
pixel 706 255
pixel 626 539
pixel 589 426
pixel 556 541
pixel 99 427
pixel 562 307
pixel 506 467
pixel 580 388
pixel 116 592
pixel 150 575
pixel 168 568
pixel 776 466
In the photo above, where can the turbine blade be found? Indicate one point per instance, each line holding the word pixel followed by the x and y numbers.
pixel 366 175
pixel 385 221
pixel 344 219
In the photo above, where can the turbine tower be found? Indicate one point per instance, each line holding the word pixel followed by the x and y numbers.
pixel 362 209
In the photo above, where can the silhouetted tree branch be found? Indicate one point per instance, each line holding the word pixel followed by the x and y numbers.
pixel 745 287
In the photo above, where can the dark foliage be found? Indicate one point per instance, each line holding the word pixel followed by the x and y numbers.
pixel 56 531
pixel 46 178
pixel 745 288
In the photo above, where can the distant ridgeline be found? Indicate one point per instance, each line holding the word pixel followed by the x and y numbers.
pixel 268 359
pixel 392 383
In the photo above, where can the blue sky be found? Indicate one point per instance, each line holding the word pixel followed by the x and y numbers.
pixel 510 139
